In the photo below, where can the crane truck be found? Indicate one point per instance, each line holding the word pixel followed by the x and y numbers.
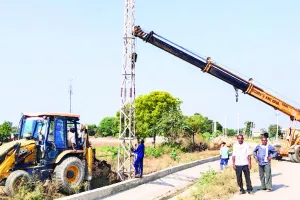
pixel 291 145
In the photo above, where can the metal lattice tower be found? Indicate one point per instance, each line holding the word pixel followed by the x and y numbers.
pixel 127 109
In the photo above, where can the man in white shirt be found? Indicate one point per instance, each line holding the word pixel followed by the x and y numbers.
pixel 71 138
pixel 241 162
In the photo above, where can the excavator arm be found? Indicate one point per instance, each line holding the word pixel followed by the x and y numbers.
pixel 207 66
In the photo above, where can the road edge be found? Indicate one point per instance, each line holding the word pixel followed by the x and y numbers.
pixel 128 184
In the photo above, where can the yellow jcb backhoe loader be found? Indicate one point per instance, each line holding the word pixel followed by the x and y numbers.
pixel 45 150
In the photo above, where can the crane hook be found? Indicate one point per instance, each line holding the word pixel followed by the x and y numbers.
pixel 236 94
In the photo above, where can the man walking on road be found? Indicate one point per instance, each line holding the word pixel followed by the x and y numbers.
pixel 241 162
pixel 263 153
pixel 224 155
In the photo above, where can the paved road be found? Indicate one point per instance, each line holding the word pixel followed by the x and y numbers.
pixel 286 177
pixel 166 185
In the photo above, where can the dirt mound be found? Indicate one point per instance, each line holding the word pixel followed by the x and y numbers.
pixel 216 142
pixel 200 147
pixel 102 174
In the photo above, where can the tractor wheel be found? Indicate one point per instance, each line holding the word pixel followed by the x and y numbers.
pixel 69 174
pixel 15 180
pixel 296 155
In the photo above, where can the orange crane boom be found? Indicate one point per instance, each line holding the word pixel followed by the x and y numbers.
pixel 292 144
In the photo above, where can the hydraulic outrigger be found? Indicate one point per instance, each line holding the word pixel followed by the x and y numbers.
pixel 291 146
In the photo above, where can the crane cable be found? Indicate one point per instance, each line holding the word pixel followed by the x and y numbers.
pixel 195 54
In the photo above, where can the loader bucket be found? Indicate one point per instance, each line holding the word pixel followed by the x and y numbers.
pixel 102 173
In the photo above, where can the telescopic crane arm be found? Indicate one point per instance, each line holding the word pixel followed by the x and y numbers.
pixel 215 70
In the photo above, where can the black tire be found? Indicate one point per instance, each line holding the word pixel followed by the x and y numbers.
pixel 296 155
pixel 69 174
pixel 12 182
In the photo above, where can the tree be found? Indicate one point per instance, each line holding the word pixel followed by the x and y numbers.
pixel 108 127
pixel 219 127
pixel 248 126
pixel 263 130
pixel 5 130
pixel 151 108
pixel 92 129
pixel 170 126
pixel 231 132
pixel 208 126
pixel 273 130
pixel 196 124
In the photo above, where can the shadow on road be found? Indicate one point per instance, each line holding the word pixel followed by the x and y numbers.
pixel 275 187
pixel 181 177
pixel 176 177
pixel 287 160
pixel 277 174
pixel 161 182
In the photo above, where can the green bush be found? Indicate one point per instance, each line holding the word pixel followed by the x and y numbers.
pixel 207 177
pixel 111 149
pixel 173 145
pixel 166 148
pixel 174 155
pixel 154 152
pixel 206 135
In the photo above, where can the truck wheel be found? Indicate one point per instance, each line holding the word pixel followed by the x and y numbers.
pixel 15 180
pixel 296 155
pixel 69 174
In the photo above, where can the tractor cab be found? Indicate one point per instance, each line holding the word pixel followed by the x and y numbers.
pixel 53 133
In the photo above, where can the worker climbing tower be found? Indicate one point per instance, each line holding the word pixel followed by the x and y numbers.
pixel 127 108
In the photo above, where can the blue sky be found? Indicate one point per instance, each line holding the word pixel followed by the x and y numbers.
pixel 45 43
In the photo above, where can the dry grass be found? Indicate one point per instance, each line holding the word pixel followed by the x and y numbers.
pixel 152 164
pixel 37 190
pixel 155 164
pixel 213 185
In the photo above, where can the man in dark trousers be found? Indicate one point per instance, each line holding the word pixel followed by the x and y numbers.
pixel 138 163
pixel 241 162
pixel 263 153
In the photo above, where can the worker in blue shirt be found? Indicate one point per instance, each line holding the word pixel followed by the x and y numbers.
pixel 224 155
pixel 263 153
pixel 138 163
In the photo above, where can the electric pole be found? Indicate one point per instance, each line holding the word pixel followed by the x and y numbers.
pixel 225 132
pixel 238 125
pixel 127 107
pixel 215 126
pixel 70 95
pixel 277 113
